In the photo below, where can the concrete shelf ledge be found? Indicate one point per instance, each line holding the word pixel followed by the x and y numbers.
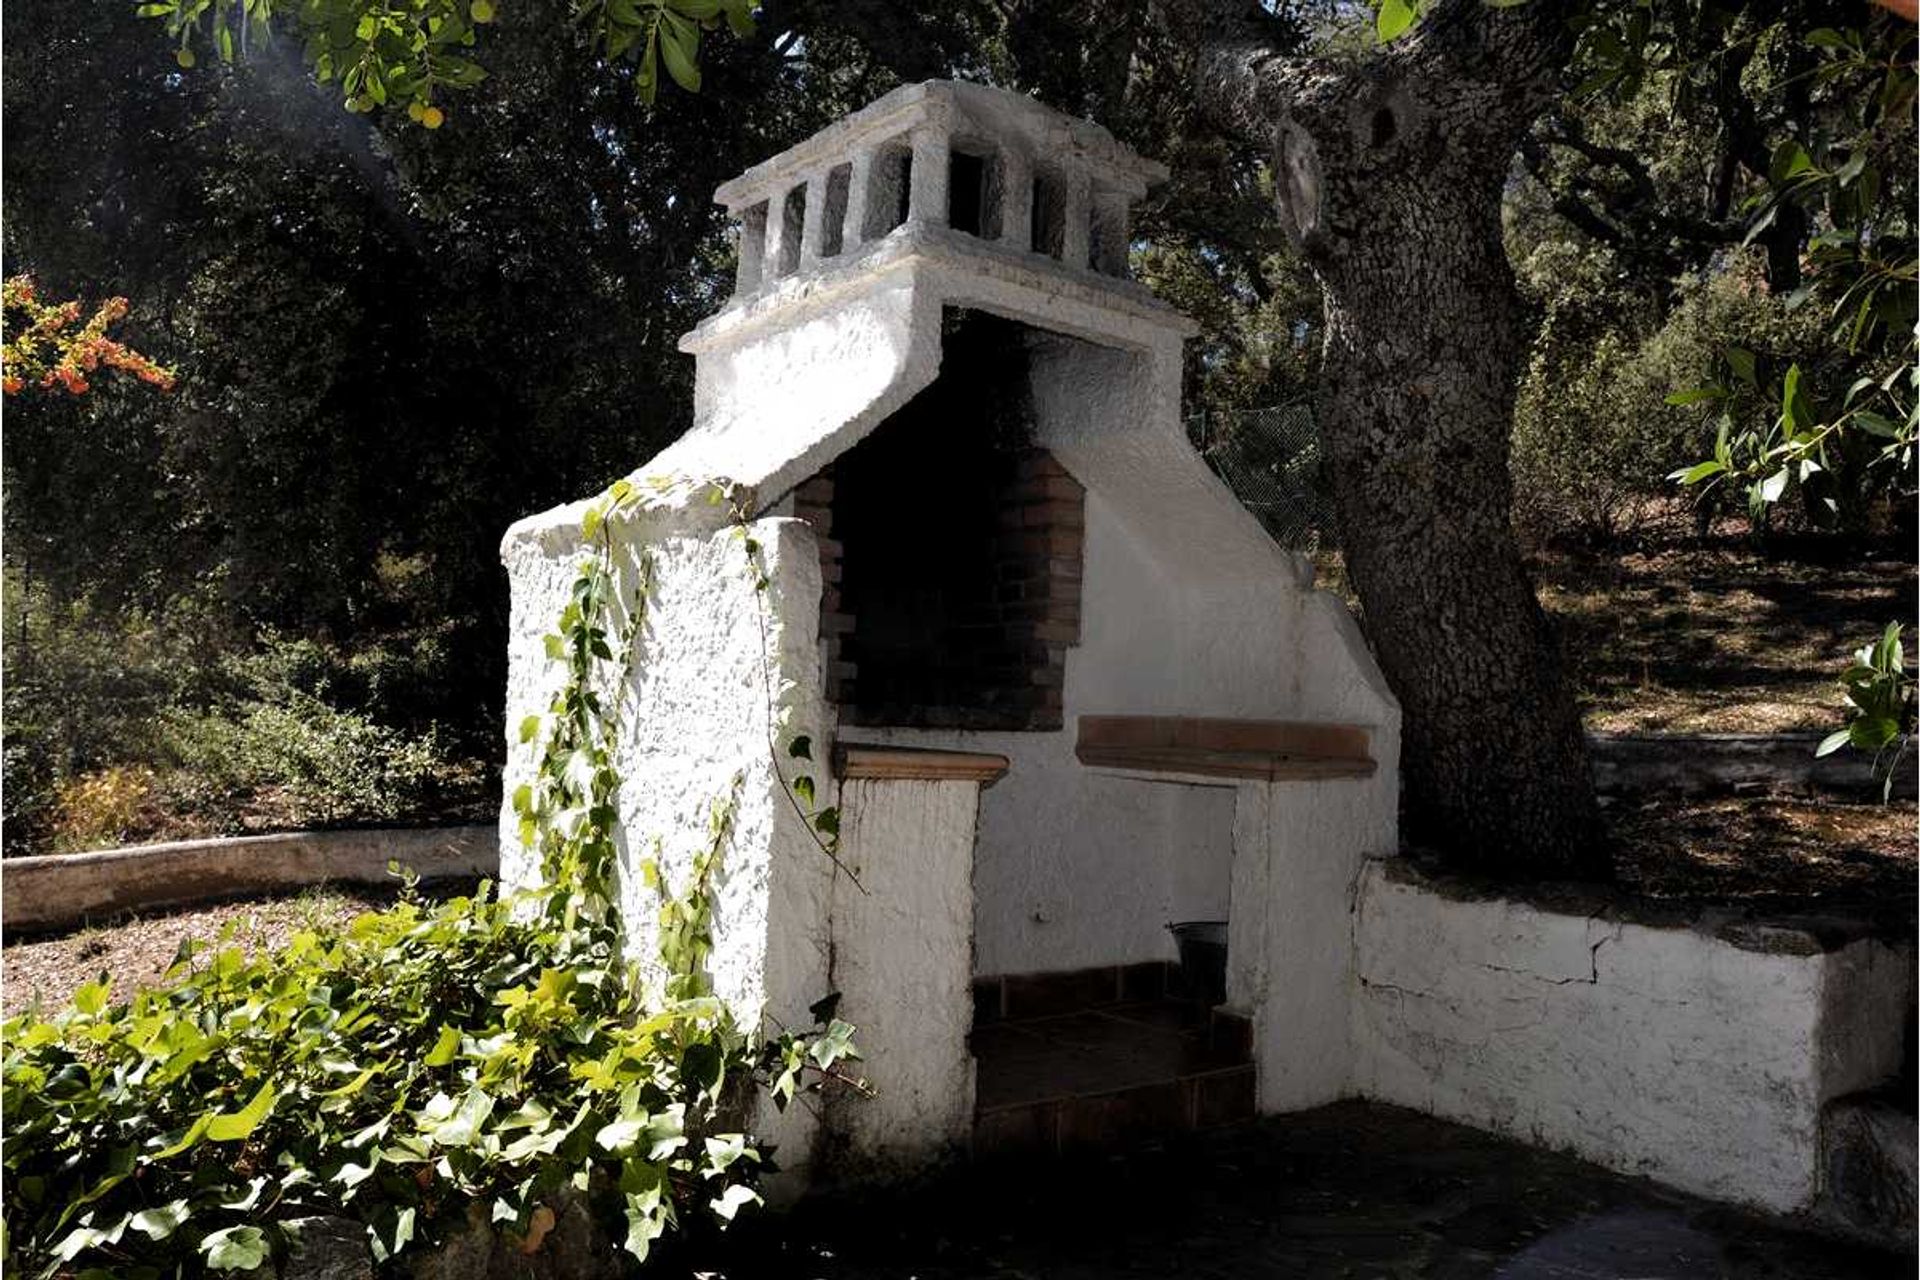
pixel 853 760
pixel 1273 750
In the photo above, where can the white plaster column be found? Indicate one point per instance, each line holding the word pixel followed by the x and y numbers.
pixel 902 942
pixel 813 225
pixel 1076 215
pixel 853 232
pixel 1016 199
pixel 776 233
pixel 932 161
pixel 1293 907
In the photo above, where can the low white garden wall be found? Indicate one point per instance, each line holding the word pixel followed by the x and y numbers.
pixel 1697 1053
pixel 60 890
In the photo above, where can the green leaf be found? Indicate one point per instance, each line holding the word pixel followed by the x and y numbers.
pixel 444 1048
pixel 91 998
pixel 1877 424
pixel 1698 472
pixel 1394 17
pixel 1795 409
pixel 235 1249
pixel 192 1135
pixel 680 50
pixel 1694 395
pixel 1833 742
pixel 1789 161
pixel 732 1200
pixel 234 1126
pixel 1743 364
pixel 529 728
pixel 462 1127
pixel 161 1222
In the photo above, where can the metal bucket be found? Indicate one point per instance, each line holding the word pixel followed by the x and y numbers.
pixel 1203 958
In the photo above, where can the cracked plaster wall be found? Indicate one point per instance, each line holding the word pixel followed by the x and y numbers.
pixel 1673 1052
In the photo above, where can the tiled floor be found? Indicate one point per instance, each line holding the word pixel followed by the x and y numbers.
pixel 1107 1076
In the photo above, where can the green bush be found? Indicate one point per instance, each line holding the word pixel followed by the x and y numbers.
pixel 392 1073
pixel 320 764
pixel 84 692
pixel 1594 439
pixel 237 731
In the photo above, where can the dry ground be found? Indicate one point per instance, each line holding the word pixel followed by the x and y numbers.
pixel 137 950
pixel 1770 854
pixel 1714 638
pixel 1685 635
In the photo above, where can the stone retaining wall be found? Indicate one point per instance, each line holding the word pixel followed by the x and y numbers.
pixel 1694 763
pixel 61 890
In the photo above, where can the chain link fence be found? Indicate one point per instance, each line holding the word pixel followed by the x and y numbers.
pixel 1270 458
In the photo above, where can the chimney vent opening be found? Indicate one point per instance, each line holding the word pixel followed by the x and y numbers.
pixel 839 182
pixel 890 190
pixel 1049 215
pixel 967 194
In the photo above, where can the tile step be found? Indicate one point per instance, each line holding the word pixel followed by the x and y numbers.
pixel 1117 1118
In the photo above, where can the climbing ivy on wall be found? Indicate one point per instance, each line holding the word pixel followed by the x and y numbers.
pixel 495 1051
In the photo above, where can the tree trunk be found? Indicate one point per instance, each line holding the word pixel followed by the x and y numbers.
pixel 1389 177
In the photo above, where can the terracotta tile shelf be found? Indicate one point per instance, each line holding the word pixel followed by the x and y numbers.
pixel 1273 750
pixel 853 760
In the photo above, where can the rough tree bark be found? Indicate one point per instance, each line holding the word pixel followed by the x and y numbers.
pixel 1389 172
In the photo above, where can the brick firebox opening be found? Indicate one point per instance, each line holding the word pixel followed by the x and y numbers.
pixel 951 550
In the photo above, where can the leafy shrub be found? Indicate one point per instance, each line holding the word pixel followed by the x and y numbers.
pixel 391 1073
pixel 84 692
pixel 1880 705
pixel 105 807
pixel 1594 436
pixel 325 765
pixel 235 730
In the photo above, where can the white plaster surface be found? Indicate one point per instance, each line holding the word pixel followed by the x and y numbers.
pixel 720 671
pixel 1079 867
pixel 1668 1052
pixel 1290 964
pixel 901 937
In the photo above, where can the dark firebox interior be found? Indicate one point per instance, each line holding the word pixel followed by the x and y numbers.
pixel 930 569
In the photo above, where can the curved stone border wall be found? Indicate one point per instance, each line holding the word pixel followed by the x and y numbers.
pixel 57 891
pixel 1692 763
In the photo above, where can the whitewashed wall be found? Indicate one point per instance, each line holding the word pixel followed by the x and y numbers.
pixel 1698 1056
pixel 902 936
pixel 1187 608
pixel 719 668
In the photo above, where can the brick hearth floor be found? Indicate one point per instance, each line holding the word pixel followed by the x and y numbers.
pixel 1109 1076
